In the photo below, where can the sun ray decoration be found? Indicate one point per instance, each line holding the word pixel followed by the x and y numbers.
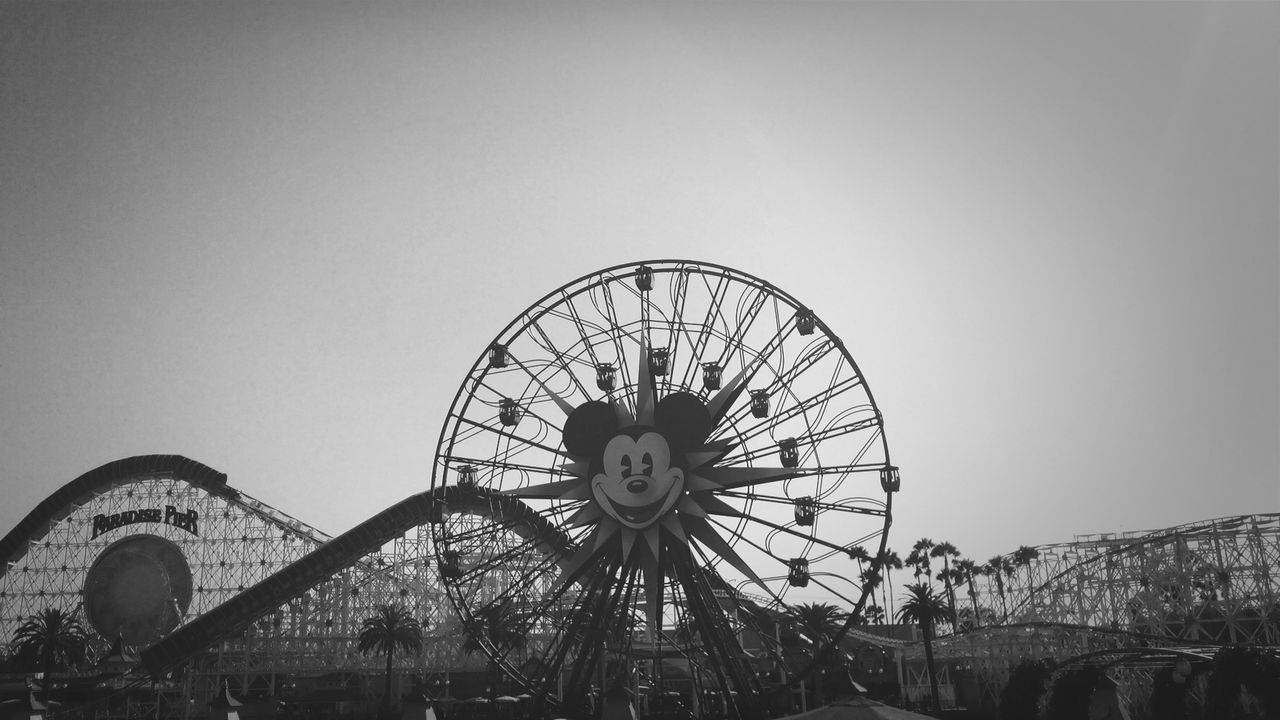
pixel 709 450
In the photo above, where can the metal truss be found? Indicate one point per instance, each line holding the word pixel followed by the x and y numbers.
pixel 289 600
pixel 1187 589
pixel 1214 581
pixel 237 542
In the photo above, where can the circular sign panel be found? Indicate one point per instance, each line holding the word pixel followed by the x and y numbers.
pixel 138 589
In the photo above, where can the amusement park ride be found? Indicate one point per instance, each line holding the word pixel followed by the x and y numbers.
pixel 636 482
pixel 637 472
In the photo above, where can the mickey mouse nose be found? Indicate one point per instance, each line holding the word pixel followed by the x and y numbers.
pixel 637 485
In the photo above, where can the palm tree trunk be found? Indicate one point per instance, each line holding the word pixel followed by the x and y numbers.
pixel 927 629
pixel 888 582
pixel 46 681
pixel 386 692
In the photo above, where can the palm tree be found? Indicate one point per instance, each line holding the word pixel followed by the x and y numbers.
pixel 52 637
pixel 1000 567
pixel 919 558
pixel 871 579
pixel 925 608
pixel 392 628
pixel 869 575
pixel 819 622
pixel 951 579
pixel 1022 558
pixel 875 615
pixel 886 561
pixel 946 551
pixel 967 568
pixel 499 626
pixel 860 554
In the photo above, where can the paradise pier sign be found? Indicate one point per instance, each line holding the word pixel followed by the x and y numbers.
pixel 171 516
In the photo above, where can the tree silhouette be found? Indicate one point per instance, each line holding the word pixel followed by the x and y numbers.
pixel 819 622
pixel 53 637
pixel 1000 567
pixel 946 551
pixel 886 561
pixel 875 615
pixel 925 608
pixel 918 558
pixel 967 569
pixel 392 628
pixel 498 625
pixel 869 574
pixel 1022 558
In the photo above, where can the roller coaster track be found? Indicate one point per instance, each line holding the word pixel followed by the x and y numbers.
pixel 341 552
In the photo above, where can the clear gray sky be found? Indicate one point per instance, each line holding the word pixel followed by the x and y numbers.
pixel 273 237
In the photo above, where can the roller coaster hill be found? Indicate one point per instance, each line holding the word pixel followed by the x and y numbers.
pixel 189 589
pixel 1136 605
pixel 169 568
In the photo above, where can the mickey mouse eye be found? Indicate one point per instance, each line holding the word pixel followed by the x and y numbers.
pixel 646 464
pixel 626 465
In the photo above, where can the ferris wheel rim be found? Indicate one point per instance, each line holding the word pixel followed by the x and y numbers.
pixel 566 292
pixel 454 410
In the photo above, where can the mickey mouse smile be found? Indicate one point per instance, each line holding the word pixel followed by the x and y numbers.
pixel 637 484
pixel 638 516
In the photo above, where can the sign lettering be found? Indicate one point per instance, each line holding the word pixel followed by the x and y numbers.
pixel 170 516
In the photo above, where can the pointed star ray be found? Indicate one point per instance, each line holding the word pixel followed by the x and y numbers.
pixel 563 404
pixel 702 531
pixel 734 477
pixel 586 515
pixel 566 489
pixel 713 505
pixel 696 483
pixel 644 386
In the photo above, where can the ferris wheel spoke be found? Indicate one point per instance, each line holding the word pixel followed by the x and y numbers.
pixel 706 329
pixel 499 464
pixel 819 400
pixel 606 579
pixel 738 477
pixel 502 558
pixel 510 436
pixel 679 286
pixel 852 544
pixel 813 440
pixel 521 582
pixel 789 412
pixel 746 317
pixel 817 579
pixel 586 331
pixel 550 347
pixel 812 355
pixel 482 526
pixel 816 505
pixel 721 405
pixel 611 315
pixel 807 537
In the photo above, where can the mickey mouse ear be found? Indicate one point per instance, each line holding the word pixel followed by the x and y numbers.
pixel 589 427
pixel 683 419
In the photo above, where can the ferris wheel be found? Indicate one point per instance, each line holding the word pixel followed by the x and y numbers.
pixel 647 468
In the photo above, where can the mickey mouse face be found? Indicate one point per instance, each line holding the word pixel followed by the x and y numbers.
pixel 638 483
pixel 637 473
